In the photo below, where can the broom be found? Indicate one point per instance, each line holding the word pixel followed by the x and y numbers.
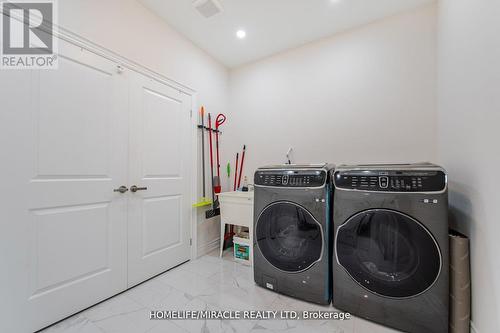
pixel 204 201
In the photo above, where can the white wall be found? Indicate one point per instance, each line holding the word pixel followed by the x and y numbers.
pixel 367 95
pixel 131 30
pixel 469 116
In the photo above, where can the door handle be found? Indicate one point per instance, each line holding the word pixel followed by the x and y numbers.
pixel 122 189
pixel 134 188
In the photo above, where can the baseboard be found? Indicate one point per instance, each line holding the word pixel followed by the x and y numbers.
pixel 208 247
pixel 473 328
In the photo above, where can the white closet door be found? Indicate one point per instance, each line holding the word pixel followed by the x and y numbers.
pixel 159 159
pixel 71 146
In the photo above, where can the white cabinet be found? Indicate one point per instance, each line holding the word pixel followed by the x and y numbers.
pixel 236 208
pixel 81 132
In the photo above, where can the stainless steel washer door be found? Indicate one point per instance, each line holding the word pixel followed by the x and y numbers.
pixel 388 252
pixel 289 237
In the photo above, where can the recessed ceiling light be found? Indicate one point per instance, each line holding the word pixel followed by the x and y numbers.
pixel 334 1
pixel 241 34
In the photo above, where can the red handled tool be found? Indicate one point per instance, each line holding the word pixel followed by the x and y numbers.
pixel 221 119
pixel 241 166
pixel 236 172
pixel 215 206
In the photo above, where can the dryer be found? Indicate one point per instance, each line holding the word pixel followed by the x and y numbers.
pixel 292 214
pixel 391 245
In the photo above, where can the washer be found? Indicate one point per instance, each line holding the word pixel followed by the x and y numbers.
pixel 391 245
pixel 292 213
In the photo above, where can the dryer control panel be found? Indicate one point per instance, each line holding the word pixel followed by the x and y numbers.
pixel 290 178
pixel 391 181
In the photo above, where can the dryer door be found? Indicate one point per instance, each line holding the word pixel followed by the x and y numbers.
pixel 289 237
pixel 388 252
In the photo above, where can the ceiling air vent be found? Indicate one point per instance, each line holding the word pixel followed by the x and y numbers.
pixel 208 8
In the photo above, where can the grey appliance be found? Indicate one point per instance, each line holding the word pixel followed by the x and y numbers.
pixel 391 245
pixel 292 214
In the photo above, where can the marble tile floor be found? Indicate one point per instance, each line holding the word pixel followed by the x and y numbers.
pixel 207 283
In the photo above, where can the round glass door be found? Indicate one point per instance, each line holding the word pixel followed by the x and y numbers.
pixel 289 237
pixel 388 253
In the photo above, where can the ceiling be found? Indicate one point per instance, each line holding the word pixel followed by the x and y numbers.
pixel 271 26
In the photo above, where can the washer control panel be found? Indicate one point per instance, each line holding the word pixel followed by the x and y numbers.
pixel 290 178
pixel 391 181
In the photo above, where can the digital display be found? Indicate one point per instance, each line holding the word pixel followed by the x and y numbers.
pixel 289 178
pixel 421 181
